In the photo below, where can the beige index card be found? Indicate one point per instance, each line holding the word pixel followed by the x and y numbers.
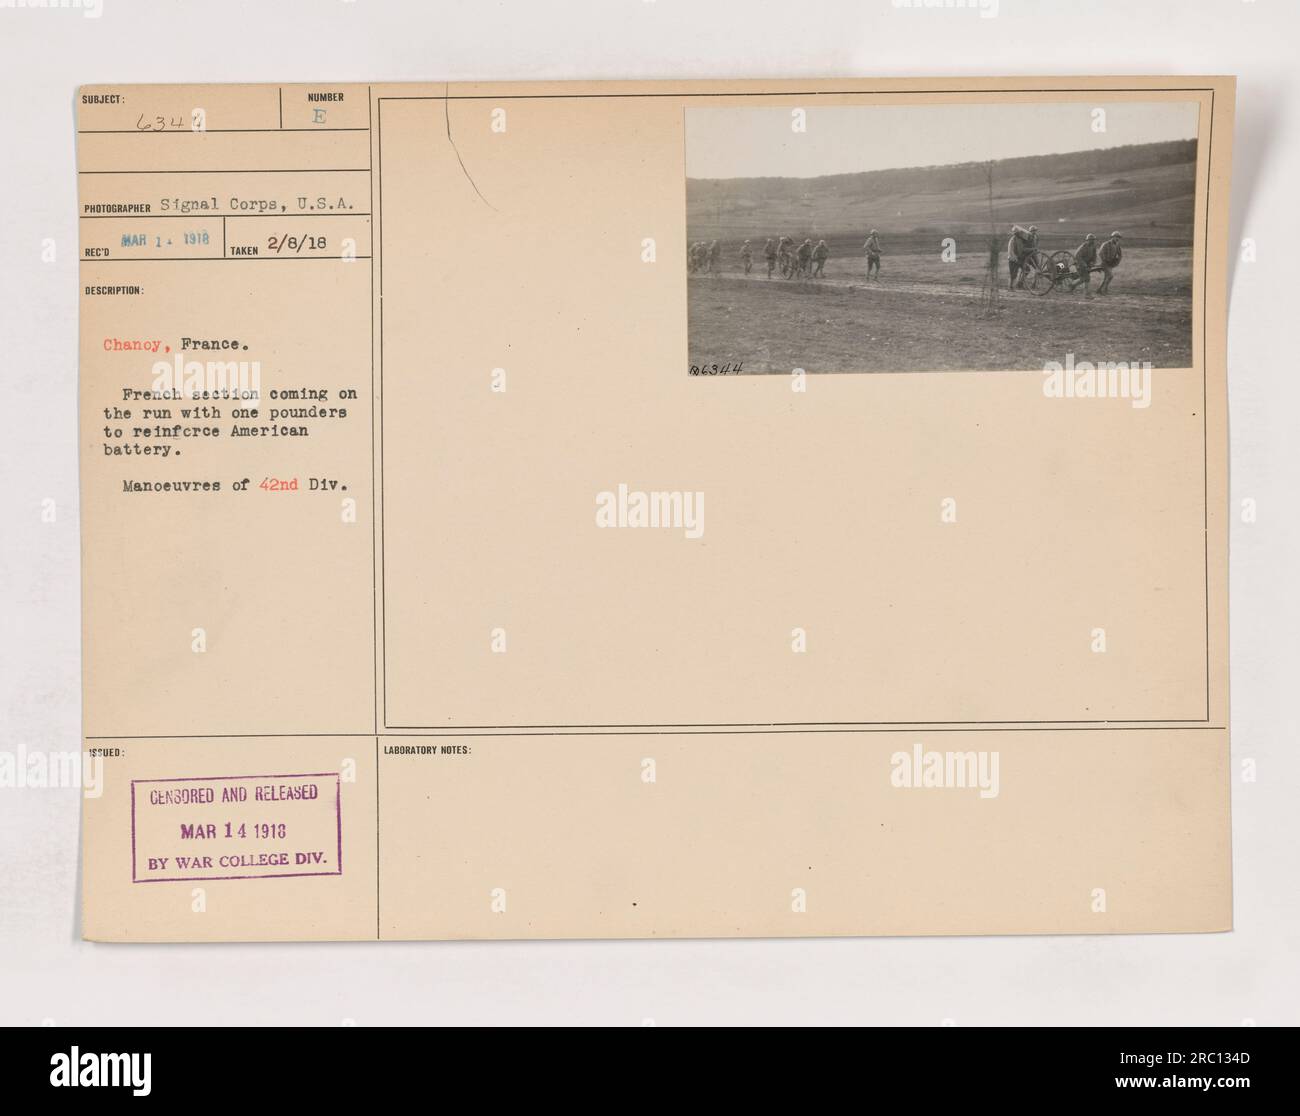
pixel 655 509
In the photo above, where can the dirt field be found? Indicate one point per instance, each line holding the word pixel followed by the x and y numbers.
pixel 925 315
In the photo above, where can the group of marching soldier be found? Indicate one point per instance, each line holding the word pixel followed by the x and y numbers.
pixel 808 260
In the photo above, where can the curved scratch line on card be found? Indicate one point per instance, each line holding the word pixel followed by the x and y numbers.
pixel 446 105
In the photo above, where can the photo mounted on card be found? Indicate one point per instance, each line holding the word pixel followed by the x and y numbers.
pixel 776 508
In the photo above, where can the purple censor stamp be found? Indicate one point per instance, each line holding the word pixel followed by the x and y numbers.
pixel 236 827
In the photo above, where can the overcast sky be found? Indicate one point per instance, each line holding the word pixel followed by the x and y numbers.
pixel 756 142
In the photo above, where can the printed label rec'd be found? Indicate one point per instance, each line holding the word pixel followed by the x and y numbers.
pixel 236 827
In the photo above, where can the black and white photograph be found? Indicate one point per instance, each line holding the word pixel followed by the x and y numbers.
pixel 940 237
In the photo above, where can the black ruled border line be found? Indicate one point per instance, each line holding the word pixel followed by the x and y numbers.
pixel 851 726
pixel 900 729
pixel 374 543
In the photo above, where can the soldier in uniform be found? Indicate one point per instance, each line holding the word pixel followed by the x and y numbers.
pixel 1085 257
pixel 769 254
pixel 1109 256
pixel 1022 243
pixel 872 249
pixel 784 247
pixel 715 258
pixel 805 256
pixel 746 256
pixel 819 255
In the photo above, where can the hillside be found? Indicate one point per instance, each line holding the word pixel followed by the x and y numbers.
pixel 1147 190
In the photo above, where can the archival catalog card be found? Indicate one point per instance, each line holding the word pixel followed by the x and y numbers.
pixel 637 510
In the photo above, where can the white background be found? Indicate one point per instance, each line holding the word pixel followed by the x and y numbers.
pixel 48 974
